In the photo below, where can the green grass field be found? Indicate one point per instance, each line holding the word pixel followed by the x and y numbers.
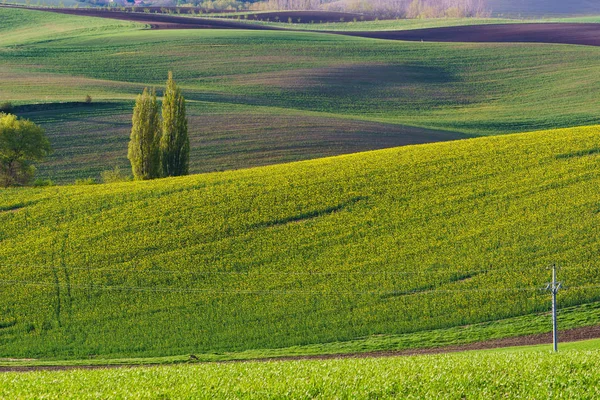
pixel 531 374
pixel 389 242
pixel 299 92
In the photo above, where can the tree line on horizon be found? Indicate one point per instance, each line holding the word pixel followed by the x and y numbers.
pixel 386 8
pixel 378 8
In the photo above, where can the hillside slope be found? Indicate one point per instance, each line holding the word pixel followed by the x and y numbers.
pixel 392 241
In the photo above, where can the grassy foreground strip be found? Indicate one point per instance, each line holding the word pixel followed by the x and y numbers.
pixel 483 375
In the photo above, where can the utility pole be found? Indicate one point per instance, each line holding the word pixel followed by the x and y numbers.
pixel 554 287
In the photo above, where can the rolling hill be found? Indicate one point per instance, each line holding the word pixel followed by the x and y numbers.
pixel 308 233
pixel 391 242
pixel 304 95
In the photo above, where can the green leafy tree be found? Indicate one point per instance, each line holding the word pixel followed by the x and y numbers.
pixel 143 150
pixel 21 143
pixel 174 142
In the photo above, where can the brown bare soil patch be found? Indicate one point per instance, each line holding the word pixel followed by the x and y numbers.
pixel 351 79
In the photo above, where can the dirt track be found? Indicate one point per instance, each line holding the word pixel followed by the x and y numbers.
pixel 571 335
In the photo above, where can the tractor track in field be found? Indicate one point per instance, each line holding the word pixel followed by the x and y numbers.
pixel 551 33
pixel 570 335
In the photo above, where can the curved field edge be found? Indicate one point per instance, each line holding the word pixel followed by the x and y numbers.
pixel 517 374
pixel 388 242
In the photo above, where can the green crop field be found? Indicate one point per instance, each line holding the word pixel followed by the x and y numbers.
pixel 388 242
pixel 304 95
pixel 516 374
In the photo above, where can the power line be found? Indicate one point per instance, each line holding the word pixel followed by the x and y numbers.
pixel 282 291
pixel 275 273
pixel 249 272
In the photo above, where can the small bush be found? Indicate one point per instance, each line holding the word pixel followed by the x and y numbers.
pixel 6 107
pixel 43 182
pixel 114 176
pixel 85 181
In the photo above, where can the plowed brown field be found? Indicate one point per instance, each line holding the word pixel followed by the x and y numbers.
pixel 583 34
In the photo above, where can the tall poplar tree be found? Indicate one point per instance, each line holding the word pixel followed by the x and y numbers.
pixel 174 142
pixel 143 152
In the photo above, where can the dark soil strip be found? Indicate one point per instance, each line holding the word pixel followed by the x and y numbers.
pixel 571 335
pixel 554 33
